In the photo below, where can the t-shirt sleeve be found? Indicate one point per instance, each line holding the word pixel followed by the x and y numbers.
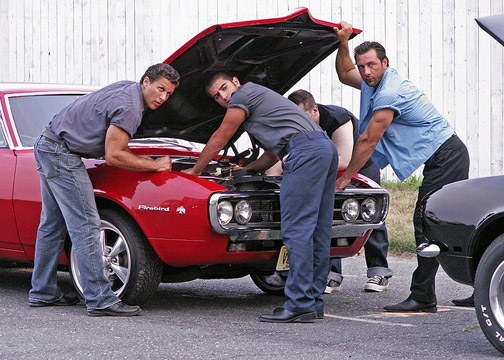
pixel 332 118
pixel 239 100
pixel 387 100
pixel 127 119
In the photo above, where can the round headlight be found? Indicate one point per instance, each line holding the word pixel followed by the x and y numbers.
pixel 225 212
pixel 350 210
pixel 243 212
pixel 368 209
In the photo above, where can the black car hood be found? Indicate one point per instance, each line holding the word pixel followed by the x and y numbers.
pixel 494 25
pixel 275 53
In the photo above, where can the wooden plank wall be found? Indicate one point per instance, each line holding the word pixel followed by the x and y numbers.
pixel 435 43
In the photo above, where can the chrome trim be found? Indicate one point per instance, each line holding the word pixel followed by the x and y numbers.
pixel 338 231
pixel 428 250
pixel 361 191
pixel 4 128
pixel 249 232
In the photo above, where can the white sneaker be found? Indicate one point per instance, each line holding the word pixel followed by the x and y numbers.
pixel 332 286
pixel 376 283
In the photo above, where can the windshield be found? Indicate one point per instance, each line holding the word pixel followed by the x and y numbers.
pixel 33 112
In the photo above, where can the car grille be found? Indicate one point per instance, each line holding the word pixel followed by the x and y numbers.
pixel 266 208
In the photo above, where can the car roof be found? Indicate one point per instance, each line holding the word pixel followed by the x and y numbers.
pixel 275 53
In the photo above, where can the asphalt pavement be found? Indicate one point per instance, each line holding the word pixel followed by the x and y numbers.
pixel 218 319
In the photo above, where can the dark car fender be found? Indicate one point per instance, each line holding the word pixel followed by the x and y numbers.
pixel 464 218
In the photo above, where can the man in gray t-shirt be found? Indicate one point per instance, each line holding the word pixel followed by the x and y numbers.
pixel 97 124
pixel 310 163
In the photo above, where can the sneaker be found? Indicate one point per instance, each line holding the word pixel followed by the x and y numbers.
pixel 376 283
pixel 332 286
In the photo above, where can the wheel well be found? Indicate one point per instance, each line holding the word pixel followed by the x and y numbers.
pixel 486 236
pixel 102 203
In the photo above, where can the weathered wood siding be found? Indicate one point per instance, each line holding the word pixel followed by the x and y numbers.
pixel 435 43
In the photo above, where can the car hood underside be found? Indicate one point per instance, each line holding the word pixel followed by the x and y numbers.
pixel 275 53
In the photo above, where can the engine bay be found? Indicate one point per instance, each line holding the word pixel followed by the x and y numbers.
pixel 226 174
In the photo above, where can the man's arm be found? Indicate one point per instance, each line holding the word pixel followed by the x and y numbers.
pixel 230 124
pixel 366 145
pixel 347 72
pixel 117 153
pixel 265 161
pixel 342 137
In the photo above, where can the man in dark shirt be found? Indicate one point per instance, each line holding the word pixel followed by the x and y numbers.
pixel 310 163
pixel 100 123
pixel 342 127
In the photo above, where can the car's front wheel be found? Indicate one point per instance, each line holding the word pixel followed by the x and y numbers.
pixel 129 262
pixel 272 284
pixel 489 293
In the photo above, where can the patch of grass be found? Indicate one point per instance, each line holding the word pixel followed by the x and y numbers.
pixel 411 183
pixel 403 196
pixel 471 328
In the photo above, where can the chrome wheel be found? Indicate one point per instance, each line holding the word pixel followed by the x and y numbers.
pixel 116 259
pixel 489 293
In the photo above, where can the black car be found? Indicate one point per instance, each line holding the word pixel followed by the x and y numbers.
pixel 464 223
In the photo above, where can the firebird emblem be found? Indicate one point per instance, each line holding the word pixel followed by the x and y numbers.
pixel 153 208
pixel 181 210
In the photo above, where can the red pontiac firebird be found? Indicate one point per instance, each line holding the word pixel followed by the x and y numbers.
pixel 172 227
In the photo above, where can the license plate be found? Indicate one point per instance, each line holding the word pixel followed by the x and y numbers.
pixel 283 260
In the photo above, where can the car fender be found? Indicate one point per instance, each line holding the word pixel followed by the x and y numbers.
pixel 158 202
pixel 464 216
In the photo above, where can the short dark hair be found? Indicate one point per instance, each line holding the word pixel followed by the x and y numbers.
pixel 304 98
pixel 154 72
pixel 218 75
pixel 368 45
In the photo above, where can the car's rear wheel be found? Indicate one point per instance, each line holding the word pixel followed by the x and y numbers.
pixel 129 262
pixel 489 293
pixel 272 284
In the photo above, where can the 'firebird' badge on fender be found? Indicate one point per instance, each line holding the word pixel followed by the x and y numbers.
pixel 153 208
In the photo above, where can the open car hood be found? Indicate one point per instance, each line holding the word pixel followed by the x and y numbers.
pixel 275 53
pixel 494 25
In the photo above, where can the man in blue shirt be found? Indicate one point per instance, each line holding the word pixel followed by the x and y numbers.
pixel 400 126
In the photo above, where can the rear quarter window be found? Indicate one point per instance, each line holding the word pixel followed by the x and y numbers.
pixel 3 142
pixel 32 113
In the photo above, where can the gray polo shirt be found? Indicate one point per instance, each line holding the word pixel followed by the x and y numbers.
pixel 271 119
pixel 83 124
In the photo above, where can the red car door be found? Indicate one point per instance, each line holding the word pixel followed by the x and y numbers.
pixel 10 246
pixel 30 113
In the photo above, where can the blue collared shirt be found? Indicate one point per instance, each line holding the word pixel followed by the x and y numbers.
pixel 416 131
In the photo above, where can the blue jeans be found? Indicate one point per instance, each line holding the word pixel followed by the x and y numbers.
pixel 68 204
pixel 307 208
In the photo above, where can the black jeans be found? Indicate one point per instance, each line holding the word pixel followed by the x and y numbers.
pixel 449 163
